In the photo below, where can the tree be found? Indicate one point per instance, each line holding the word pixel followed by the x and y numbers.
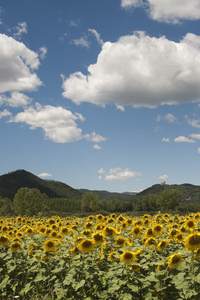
pixel 29 201
pixel 168 200
pixel 89 202
pixel 6 207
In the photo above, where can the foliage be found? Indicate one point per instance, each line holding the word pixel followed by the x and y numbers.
pixel 10 183
pixel 53 263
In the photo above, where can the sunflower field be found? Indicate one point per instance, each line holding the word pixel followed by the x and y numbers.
pixel 98 257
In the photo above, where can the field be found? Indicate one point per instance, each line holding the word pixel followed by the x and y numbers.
pixel 97 257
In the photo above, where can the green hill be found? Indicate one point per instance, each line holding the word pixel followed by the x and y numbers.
pixel 105 195
pixel 188 192
pixel 10 183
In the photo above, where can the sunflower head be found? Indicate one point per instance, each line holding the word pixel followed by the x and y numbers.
pixel 151 242
pixel 174 260
pixel 109 231
pixel 162 245
pixel 190 224
pixel 86 245
pixel 120 241
pixel 113 256
pixel 15 246
pixel 4 240
pixel 193 241
pixel 98 237
pixel 128 257
pixel 50 245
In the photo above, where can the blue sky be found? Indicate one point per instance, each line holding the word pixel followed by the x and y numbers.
pixel 101 94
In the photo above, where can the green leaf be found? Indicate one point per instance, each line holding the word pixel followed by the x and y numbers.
pixel 80 284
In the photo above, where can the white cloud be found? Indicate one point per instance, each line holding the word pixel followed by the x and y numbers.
pixel 118 174
pixel 5 113
pixel 16 65
pixel 20 29
pixel 16 100
pixel 82 41
pixel 131 3
pixel 170 118
pixel 57 123
pixel 44 175
pixel 97 35
pixel 162 177
pixel 167 140
pixel 183 139
pixel 195 136
pixel 120 107
pixel 140 70
pixel 97 147
pixel 168 10
pixel 96 138
pixel 101 171
pixel 43 52
pixel 194 123
pixel 198 150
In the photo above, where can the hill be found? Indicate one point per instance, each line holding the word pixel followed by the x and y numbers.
pixel 105 195
pixel 10 183
pixel 188 192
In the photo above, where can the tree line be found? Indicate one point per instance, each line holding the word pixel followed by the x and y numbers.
pixel 30 201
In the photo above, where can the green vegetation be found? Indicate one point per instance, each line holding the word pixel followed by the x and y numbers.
pixel 24 193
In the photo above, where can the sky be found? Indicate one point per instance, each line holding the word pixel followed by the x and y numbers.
pixel 101 94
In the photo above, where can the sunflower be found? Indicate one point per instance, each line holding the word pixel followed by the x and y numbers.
pixel 74 250
pixel 157 229
pixel 98 237
pixel 112 256
pixel 53 234
pixel 151 242
pixel 100 217
pixel 64 230
pixel 29 231
pixel 173 233
pixel 162 245
pixel 87 232
pixel 174 261
pixel 4 240
pixel 15 246
pixel 193 241
pixel 129 222
pixel 42 230
pixel 120 241
pixel 86 245
pixel 128 257
pixel 50 245
pixel 109 231
pixel 179 237
pixel 51 221
pixel 121 219
pixel 91 218
pixel 190 224
pixel 136 231
pixel 149 233
pixel 88 225
pixel 110 220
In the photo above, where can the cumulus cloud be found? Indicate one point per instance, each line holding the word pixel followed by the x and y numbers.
pixel 97 36
pixel 167 140
pixel 195 136
pixel 44 175
pixel 96 138
pixel 16 65
pixel 140 70
pixel 97 147
pixel 5 113
pixel 183 139
pixel 15 100
pixel 58 124
pixel 194 123
pixel 20 29
pixel 168 10
pixel 117 174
